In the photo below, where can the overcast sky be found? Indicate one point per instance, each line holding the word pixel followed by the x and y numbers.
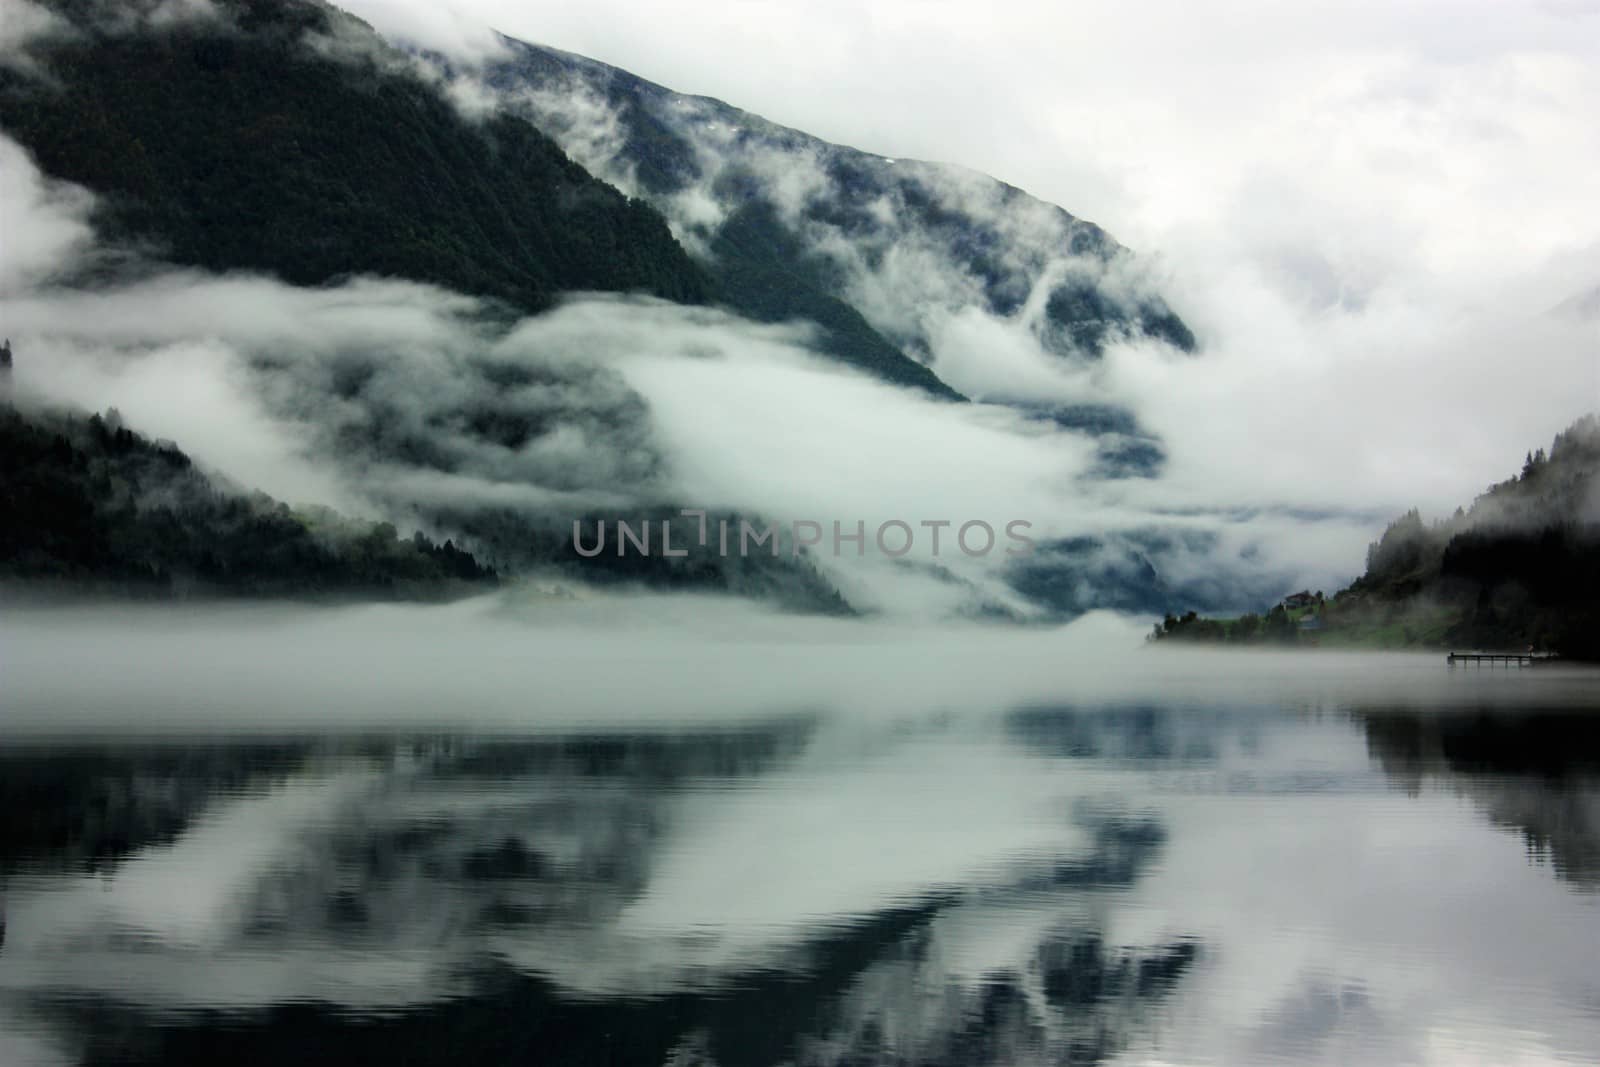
pixel 1367 208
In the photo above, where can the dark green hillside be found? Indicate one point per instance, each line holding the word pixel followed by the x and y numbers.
pixel 242 146
pixel 757 264
pixel 1520 568
pixel 88 505
pixel 772 267
pixel 763 272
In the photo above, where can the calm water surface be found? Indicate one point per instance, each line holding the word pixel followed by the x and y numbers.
pixel 1232 875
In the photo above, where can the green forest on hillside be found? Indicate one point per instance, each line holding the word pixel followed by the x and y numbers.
pixel 244 144
pixel 87 505
pixel 1519 569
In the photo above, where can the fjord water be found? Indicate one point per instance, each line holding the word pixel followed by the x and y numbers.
pixel 572 832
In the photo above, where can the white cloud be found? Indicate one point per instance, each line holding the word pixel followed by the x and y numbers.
pixel 45 224
pixel 443 27
pixel 372 396
pixel 1362 209
pixel 1364 215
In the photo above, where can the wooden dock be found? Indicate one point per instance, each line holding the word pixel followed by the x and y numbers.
pixel 1495 659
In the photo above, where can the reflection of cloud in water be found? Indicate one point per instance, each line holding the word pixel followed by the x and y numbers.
pixel 1066 883
pixel 1351 923
pixel 809 858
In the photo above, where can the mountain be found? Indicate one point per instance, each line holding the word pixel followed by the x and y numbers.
pixel 288 139
pixel 1519 568
pixel 880 253
pixel 86 503
pixel 284 137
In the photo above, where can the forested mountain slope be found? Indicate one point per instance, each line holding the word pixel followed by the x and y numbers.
pixel 86 503
pixel 880 252
pixel 284 136
pixel 1518 569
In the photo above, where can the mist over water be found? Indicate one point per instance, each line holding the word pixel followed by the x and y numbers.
pixel 543 658
pixel 575 821
pixel 690 830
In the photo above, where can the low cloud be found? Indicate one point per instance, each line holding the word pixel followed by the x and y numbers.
pixel 1364 218
pixel 46 224
pixel 444 28
pixel 401 400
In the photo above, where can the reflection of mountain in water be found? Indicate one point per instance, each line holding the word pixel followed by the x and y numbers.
pixel 454 901
pixel 91 806
pixel 1534 772
pixel 1073 999
pixel 1125 732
